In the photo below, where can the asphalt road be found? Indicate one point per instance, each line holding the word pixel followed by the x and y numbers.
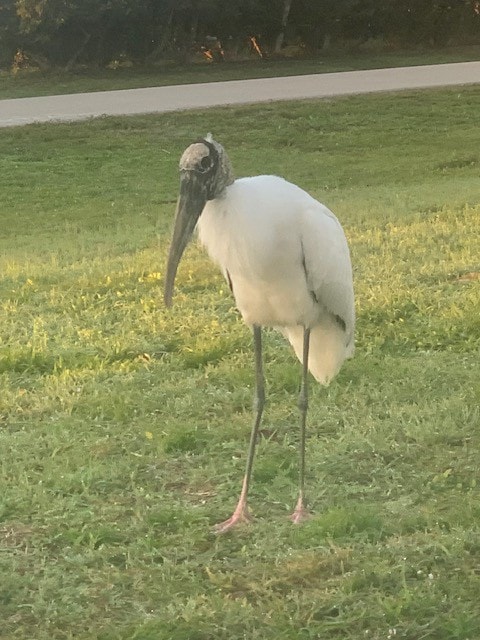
pixel 80 106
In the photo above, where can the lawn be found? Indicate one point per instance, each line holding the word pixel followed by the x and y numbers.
pixel 36 83
pixel 124 426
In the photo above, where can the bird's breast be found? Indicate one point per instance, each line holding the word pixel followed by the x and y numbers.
pixel 262 256
pixel 250 231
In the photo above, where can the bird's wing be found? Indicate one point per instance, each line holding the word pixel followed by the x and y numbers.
pixel 328 270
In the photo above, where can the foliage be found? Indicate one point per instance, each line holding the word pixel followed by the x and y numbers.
pixel 99 32
pixel 124 426
pixel 10 39
pixel 418 21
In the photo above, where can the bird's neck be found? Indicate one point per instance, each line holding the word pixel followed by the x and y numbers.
pixel 223 179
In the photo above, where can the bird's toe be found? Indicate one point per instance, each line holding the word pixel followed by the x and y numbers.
pixel 242 517
pixel 300 516
pixel 301 513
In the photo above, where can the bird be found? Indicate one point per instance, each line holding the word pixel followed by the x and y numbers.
pixel 287 262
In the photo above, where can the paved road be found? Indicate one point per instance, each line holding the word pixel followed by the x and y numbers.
pixel 196 96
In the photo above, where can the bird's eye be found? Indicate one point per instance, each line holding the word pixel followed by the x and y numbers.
pixel 205 163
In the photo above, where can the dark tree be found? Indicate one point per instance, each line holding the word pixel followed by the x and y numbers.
pixel 97 32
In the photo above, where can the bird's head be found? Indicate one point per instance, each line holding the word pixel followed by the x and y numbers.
pixel 205 173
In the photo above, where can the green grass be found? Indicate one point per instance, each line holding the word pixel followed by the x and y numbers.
pixel 124 426
pixel 37 83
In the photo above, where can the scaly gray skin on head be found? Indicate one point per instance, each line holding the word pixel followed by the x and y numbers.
pixel 205 173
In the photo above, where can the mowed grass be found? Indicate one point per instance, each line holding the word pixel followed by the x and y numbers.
pixel 124 426
pixel 29 82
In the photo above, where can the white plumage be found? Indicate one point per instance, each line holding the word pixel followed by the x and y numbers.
pixel 286 259
pixel 277 246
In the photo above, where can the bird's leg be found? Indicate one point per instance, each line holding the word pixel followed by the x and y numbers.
pixel 301 512
pixel 241 513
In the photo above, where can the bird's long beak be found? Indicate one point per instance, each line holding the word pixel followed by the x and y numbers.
pixel 192 199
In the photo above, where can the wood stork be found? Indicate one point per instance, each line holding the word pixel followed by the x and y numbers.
pixel 286 259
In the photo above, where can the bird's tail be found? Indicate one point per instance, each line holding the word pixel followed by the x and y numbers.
pixel 327 349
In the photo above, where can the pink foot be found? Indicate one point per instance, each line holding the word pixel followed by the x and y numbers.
pixel 240 516
pixel 301 513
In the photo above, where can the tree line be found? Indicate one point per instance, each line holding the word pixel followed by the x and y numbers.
pixel 66 33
